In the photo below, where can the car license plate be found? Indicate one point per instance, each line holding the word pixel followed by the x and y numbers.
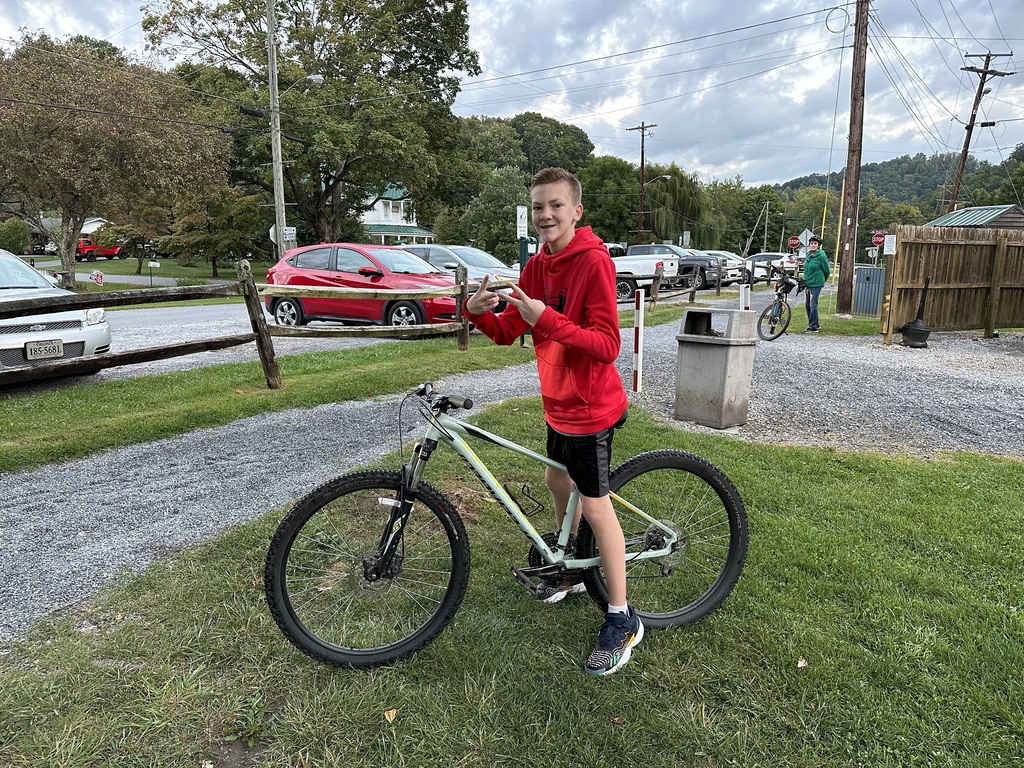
pixel 44 350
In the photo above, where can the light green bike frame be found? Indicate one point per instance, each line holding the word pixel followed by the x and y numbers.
pixel 446 429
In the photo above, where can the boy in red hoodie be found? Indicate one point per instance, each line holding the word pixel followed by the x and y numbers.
pixel 566 294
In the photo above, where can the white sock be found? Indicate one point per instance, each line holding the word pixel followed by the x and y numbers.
pixel 618 609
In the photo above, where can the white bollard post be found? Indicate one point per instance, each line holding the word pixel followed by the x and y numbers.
pixel 745 296
pixel 638 339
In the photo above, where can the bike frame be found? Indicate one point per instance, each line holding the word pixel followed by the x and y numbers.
pixel 442 428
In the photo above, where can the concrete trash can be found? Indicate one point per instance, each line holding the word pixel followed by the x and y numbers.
pixel 714 368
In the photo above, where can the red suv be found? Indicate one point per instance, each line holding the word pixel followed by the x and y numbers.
pixel 368 267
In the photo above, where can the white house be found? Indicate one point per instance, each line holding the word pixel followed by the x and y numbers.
pixel 392 219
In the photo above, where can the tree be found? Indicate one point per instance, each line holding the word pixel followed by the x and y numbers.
pixel 726 200
pixel 449 228
pixel 609 197
pixel 15 235
pixel 490 220
pixel 546 142
pixel 214 224
pixel 86 134
pixel 382 115
pixel 679 204
pixel 808 208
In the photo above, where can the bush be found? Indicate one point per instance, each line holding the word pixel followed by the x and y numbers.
pixel 15 235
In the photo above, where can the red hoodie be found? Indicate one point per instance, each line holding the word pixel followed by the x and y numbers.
pixel 576 339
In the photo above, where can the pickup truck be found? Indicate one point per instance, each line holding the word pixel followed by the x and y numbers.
pixel 636 270
pixel 87 250
pixel 691 265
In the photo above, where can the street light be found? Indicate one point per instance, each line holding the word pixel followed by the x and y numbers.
pixel 663 176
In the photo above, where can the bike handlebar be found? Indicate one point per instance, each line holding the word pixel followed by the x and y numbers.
pixel 441 402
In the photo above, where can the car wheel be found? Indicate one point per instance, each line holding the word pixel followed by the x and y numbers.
pixel 748 277
pixel 288 311
pixel 91 257
pixel 404 313
pixel 625 289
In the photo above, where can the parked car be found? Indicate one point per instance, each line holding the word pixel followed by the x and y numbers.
pixel 478 263
pixel 45 338
pixel 368 267
pixel 777 260
pixel 734 269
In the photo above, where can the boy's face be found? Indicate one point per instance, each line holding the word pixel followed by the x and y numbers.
pixel 554 214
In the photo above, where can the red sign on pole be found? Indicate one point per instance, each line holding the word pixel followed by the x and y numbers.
pixel 878 238
pixel 794 242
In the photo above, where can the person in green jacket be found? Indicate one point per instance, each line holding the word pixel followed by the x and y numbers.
pixel 816 272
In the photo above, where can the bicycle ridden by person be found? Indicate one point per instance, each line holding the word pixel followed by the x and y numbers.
pixel 816 272
pixel 566 295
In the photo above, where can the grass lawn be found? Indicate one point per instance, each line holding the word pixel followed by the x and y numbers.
pixel 878 621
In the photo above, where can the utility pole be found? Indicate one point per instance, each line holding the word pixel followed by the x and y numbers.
pixel 275 130
pixel 985 73
pixel 640 213
pixel 851 200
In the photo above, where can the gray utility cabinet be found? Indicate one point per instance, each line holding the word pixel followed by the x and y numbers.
pixel 714 367
pixel 868 286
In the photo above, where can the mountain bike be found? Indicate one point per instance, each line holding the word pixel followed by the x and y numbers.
pixel 774 320
pixel 372 566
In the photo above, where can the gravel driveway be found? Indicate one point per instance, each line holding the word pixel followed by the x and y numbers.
pixel 75 526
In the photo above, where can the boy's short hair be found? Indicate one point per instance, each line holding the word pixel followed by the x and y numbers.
pixel 555 175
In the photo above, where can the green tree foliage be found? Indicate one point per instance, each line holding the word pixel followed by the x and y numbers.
pixel 490 220
pixel 546 142
pixel 815 210
pixel 87 133
pixel 449 227
pixel 726 198
pixel 610 198
pixel 214 225
pixel 15 235
pixel 382 115
pixel 679 204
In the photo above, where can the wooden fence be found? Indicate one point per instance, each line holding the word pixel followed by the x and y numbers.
pixel 261 333
pixel 976 279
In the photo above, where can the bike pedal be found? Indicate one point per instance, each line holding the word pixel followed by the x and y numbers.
pixel 524 581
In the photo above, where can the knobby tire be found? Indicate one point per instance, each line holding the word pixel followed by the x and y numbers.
pixel 771 325
pixel 317 588
pixel 696 500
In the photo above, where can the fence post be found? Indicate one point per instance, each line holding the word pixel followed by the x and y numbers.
pixel 461 277
pixel 264 344
pixel 998 265
pixel 659 272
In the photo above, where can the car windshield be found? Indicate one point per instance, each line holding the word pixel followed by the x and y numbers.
pixel 474 257
pixel 403 262
pixel 15 274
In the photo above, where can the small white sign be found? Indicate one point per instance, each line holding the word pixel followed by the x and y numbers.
pixel 521 216
pixel 686 239
pixel 890 245
pixel 154 263
pixel 289 234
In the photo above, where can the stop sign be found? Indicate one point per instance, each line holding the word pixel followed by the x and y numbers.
pixel 794 242
pixel 878 238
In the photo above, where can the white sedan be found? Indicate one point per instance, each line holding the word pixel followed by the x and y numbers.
pixel 41 339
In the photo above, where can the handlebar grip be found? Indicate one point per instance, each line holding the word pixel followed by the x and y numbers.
pixel 461 402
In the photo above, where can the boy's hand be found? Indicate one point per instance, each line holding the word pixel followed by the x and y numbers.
pixel 483 300
pixel 529 309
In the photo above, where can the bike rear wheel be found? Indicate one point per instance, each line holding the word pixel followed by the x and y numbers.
pixel 316 579
pixel 774 320
pixel 700 504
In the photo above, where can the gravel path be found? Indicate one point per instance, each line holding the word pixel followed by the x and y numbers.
pixel 74 526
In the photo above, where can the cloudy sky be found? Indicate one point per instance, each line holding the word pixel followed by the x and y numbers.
pixel 756 88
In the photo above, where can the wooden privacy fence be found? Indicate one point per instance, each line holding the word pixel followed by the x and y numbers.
pixel 261 333
pixel 976 279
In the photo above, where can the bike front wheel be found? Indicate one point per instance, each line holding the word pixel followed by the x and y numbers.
pixel 330 604
pixel 774 321
pixel 694 499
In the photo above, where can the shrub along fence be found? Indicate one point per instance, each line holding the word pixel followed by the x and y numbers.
pixel 261 333
pixel 975 279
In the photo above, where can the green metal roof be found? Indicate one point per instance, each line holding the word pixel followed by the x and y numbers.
pixel 397 229
pixel 973 217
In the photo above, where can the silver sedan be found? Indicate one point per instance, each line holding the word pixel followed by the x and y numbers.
pixel 40 339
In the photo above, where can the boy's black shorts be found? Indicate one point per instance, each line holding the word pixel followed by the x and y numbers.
pixel 587 457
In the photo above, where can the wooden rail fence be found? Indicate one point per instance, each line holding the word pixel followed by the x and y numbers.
pixel 261 334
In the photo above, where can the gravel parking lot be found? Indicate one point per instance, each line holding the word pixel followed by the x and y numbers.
pixel 76 526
